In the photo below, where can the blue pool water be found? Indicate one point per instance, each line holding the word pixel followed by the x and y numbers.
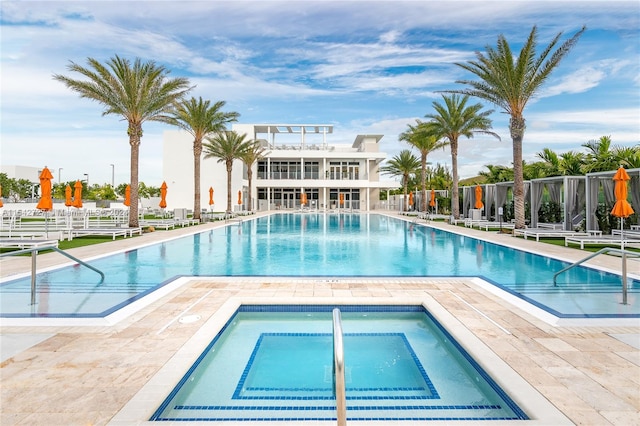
pixel 275 363
pixel 332 245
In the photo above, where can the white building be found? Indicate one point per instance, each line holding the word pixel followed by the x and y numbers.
pixel 32 174
pixel 299 159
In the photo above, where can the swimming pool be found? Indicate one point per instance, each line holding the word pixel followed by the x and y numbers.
pixel 318 245
pixel 274 362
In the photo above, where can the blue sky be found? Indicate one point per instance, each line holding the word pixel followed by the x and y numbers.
pixel 365 67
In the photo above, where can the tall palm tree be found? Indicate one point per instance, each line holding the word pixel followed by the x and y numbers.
pixel 509 83
pixel 200 118
pixel 137 92
pixel 254 153
pixel 227 146
pixel 423 136
pixel 403 165
pixel 452 120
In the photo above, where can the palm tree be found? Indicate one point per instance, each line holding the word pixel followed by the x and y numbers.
pixel 600 155
pixel 628 156
pixel 255 152
pixel 423 137
pixel 227 146
pixel 200 119
pixel 137 92
pixel 497 173
pixel 572 163
pixel 455 119
pixel 403 165
pixel 509 83
pixel 550 162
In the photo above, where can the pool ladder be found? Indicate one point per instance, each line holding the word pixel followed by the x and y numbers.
pixel 623 276
pixel 338 369
pixel 34 253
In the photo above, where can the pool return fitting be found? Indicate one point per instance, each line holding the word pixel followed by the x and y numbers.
pixel 338 369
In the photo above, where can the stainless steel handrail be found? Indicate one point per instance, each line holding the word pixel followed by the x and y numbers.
pixel 34 252
pixel 338 366
pixel 623 276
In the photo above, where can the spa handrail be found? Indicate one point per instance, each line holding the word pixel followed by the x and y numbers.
pixel 338 366
pixel 34 252
pixel 623 276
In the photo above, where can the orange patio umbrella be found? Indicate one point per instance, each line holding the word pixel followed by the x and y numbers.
pixel 67 196
pixel 432 201
pixel 479 204
pixel 341 199
pixel 239 197
pixel 77 195
pixel 127 196
pixel 410 198
pixel 211 196
pixel 1 196
pixel 163 195
pixel 621 208
pixel 45 203
pixel 303 198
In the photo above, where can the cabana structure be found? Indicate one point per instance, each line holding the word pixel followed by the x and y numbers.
pixel 494 196
pixel 601 183
pixel 566 191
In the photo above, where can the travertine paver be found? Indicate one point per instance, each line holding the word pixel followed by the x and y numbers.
pixel 85 375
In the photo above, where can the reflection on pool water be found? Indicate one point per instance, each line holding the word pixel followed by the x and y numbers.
pixel 324 245
pixel 275 363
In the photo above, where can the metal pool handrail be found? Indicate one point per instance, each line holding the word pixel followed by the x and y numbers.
pixel 338 366
pixel 623 277
pixel 34 252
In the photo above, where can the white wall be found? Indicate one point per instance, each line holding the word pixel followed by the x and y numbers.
pixel 177 172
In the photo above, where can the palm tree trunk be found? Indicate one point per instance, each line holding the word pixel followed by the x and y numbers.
pixel 517 126
pixel 423 200
pixel 249 177
pixel 135 133
pixel 197 152
pixel 455 203
pixel 229 164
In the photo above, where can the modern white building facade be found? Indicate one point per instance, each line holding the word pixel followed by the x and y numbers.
pixel 299 159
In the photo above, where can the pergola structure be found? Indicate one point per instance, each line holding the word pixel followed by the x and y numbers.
pixel 578 196
pixel 602 183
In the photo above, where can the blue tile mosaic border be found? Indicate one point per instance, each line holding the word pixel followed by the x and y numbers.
pixel 519 414
pixel 430 388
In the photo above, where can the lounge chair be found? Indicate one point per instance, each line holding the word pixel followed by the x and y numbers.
pixel 603 240
pixel 23 244
pixel 551 233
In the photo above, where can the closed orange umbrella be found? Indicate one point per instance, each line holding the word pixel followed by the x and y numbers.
pixel 77 195
pixel 67 196
pixel 163 195
pixel 1 196
pixel 127 196
pixel 432 201
pixel 621 208
pixel 239 197
pixel 341 199
pixel 303 198
pixel 411 198
pixel 479 204
pixel 211 196
pixel 45 203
